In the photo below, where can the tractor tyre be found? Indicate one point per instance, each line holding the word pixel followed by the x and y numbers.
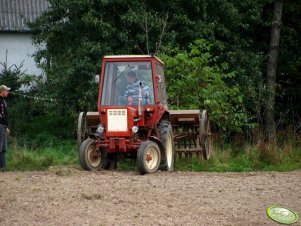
pixel 106 161
pixel 205 135
pixel 89 157
pixel 110 161
pixel 82 129
pixel 168 144
pixel 148 157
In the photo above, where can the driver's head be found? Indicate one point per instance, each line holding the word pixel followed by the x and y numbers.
pixel 131 77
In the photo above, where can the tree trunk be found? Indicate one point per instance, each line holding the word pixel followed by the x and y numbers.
pixel 270 129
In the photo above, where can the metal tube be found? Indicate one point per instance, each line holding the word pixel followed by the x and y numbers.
pixel 140 100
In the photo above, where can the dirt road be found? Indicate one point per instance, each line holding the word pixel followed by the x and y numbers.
pixel 65 196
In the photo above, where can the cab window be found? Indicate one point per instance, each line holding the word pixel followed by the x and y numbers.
pixel 122 81
pixel 161 84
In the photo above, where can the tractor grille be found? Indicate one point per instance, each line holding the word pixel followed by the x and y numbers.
pixel 117 120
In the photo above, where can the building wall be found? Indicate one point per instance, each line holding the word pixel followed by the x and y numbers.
pixel 19 48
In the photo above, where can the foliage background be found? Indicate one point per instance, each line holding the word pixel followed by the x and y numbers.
pixel 235 40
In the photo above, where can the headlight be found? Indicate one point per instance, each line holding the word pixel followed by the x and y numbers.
pixel 135 129
pixel 100 129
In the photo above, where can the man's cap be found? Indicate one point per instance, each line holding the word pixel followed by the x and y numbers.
pixel 4 87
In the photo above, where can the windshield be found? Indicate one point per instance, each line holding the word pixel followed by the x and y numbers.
pixel 122 81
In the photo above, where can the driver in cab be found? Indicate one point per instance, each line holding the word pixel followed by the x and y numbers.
pixel 131 95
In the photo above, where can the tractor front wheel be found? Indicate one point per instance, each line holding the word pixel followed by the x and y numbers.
pixel 148 157
pixel 89 157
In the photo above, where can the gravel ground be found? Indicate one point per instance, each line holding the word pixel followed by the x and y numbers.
pixel 67 196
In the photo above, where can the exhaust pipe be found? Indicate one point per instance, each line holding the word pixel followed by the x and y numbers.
pixel 140 100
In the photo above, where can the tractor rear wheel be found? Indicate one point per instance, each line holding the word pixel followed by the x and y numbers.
pixel 148 157
pixel 168 144
pixel 82 129
pixel 89 157
pixel 205 135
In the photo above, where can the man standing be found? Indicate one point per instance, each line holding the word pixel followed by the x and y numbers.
pixel 4 131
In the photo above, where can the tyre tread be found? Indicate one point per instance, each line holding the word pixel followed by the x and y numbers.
pixel 165 126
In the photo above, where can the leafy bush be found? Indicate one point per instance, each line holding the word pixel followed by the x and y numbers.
pixel 194 81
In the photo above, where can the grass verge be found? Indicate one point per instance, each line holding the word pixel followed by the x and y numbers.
pixel 42 152
pixel 249 158
pixel 30 156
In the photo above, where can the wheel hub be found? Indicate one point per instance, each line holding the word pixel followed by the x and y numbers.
pixel 93 158
pixel 149 157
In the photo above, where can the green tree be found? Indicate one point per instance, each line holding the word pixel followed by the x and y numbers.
pixel 270 129
pixel 288 82
pixel 11 75
pixel 78 33
pixel 73 35
pixel 195 81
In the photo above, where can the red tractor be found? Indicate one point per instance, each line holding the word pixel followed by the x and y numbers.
pixel 133 119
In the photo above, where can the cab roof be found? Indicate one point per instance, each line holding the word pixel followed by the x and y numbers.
pixel 132 56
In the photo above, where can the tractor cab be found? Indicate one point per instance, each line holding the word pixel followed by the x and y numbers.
pixel 131 90
pixel 121 79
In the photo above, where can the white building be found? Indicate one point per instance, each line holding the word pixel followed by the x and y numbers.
pixel 15 37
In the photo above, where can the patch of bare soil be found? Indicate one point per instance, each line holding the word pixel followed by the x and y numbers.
pixel 66 196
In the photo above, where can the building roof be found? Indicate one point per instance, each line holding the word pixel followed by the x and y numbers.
pixel 15 14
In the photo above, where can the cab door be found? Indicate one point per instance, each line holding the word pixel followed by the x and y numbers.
pixel 162 98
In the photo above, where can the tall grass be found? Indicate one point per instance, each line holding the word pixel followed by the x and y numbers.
pixel 40 153
pixel 43 150
pixel 250 158
pixel 252 155
pixel 261 157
